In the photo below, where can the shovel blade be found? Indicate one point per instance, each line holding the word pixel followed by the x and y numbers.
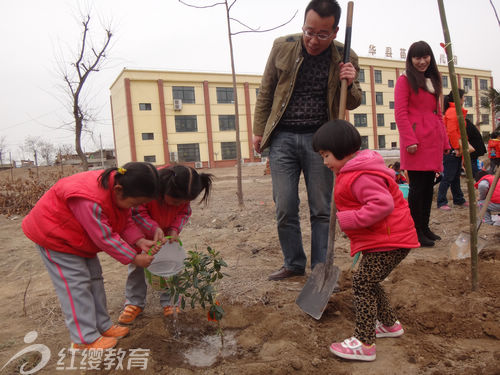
pixel 317 290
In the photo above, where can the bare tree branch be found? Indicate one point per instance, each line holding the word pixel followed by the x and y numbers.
pixel 241 23
pixel 262 31
pixel 198 6
pixel 494 10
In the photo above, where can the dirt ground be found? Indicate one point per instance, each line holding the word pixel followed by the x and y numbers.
pixel 449 329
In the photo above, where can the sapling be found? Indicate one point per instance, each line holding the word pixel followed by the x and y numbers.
pixel 195 285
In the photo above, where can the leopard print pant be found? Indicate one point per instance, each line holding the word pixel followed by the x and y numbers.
pixel 370 300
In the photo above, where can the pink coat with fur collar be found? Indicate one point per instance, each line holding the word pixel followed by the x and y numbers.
pixel 419 121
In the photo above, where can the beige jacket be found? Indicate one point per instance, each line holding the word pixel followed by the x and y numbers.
pixel 278 83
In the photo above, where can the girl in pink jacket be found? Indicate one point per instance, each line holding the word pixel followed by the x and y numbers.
pixel 422 134
pixel 375 216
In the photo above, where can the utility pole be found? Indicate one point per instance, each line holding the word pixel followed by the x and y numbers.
pixel 102 158
pixel 11 167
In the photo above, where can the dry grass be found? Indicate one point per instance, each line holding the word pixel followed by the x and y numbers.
pixel 21 188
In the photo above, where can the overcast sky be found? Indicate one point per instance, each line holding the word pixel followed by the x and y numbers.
pixel 167 35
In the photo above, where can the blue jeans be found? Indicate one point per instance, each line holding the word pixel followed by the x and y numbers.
pixel 291 154
pixel 452 166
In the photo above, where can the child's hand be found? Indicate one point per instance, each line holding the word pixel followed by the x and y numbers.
pixel 145 245
pixel 143 260
pixel 172 233
pixel 159 236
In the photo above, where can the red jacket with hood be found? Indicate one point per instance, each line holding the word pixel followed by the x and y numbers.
pixel 388 232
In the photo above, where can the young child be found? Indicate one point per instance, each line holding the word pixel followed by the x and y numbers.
pixel 494 151
pixel 179 185
pixel 400 174
pixel 376 218
pixel 484 180
pixel 75 219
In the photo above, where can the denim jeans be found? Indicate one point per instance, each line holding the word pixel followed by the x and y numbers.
pixel 291 154
pixel 452 166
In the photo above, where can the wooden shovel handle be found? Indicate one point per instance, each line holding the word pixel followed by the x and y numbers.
pixel 342 105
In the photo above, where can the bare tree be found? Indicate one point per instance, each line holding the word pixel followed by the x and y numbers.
pixel 32 146
pixel 47 151
pixel 3 148
pixel 247 29
pixel 89 58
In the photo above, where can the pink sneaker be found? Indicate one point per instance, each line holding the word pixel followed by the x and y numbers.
pixel 394 331
pixel 445 208
pixel 352 348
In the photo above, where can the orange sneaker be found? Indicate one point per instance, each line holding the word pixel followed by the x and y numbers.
pixel 169 310
pixel 101 343
pixel 129 313
pixel 117 332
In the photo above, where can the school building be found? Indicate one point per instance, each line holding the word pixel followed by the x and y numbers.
pixel 189 117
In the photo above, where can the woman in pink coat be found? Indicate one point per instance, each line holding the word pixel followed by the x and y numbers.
pixel 422 134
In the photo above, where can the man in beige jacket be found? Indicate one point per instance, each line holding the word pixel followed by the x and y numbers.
pixel 300 91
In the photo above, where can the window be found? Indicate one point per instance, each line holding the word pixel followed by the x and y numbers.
pixel 381 141
pixel 257 92
pixel 468 83
pixel 185 93
pixel 483 84
pixel 226 122
pixel 188 152
pixel 378 76
pixel 225 95
pixel 363 98
pixel 391 105
pixel 444 79
pixel 144 106
pixel 360 120
pixel 390 83
pixel 468 101
pixel 485 102
pixel 150 158
pixel 485 119
pixel 228 150
pixel 394 144
pixel 148 136
pixel 186 124
pixel 379 98
pixel 380 119
pixel 361 75
pixel 470 117
pixel 393 126
pixel 364 142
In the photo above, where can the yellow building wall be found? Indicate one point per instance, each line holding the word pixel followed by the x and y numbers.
pixel 144 89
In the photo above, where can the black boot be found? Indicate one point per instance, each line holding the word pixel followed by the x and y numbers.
pixel 424 240
pixel 430 234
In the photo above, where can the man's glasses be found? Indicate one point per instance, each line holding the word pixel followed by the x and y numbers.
pixel 320 36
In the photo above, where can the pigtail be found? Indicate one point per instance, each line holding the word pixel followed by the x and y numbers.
pixel 206 180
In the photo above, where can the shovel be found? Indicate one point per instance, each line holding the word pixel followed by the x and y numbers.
pixel 460 248
pixel 320 285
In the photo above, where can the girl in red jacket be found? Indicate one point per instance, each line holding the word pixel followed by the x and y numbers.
pixel 375 216
pixel 179 185
pixel 75 219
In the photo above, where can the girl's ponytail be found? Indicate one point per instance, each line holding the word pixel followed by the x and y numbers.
pixel 184 183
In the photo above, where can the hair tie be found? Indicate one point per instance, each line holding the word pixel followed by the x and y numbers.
pixel 121 170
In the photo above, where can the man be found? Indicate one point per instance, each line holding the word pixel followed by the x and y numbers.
pixel 300 91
